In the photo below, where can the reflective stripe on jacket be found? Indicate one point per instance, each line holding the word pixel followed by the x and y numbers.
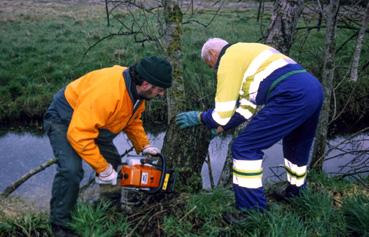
pixel 241 69
pixel 100 100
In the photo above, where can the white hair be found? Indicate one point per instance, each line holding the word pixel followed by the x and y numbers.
pixel 213 43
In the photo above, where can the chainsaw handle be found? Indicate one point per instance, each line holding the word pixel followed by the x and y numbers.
pixel 147 161
pixel 163 171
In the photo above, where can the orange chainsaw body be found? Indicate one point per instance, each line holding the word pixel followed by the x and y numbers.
pixel 140 176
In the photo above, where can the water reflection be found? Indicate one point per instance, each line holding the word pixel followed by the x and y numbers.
pixel 21 152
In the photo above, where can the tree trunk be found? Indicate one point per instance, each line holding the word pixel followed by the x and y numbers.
pixel 283 24
pixel 359 45
pixel 226 176
pixel 185 149
pixel 172 43
pixel 327 80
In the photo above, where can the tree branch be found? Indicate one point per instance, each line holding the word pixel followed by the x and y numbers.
pixel 8 190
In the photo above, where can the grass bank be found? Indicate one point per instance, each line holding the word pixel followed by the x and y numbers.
pixel 330 207
pixel 43 47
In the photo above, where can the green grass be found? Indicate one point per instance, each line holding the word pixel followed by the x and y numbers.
pixel 33 224
pixel 330 207
pixel 356 214
pixel 41 52
pixel 99 221
pixel 39 56
pixel 317 212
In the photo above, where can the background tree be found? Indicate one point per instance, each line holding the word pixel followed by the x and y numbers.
pixel 283 22
pixel 359 45
pixel 330 13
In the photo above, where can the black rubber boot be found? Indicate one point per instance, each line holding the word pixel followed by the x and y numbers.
pixel 234 218
pixel 286 195
pixel 62 231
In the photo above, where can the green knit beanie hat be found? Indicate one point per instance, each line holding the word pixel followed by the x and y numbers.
pixel 156 71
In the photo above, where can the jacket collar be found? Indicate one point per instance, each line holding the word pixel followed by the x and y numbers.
pixel 131 86
pixel 222 52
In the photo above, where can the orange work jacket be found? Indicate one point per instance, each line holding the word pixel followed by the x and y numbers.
pixel 100 100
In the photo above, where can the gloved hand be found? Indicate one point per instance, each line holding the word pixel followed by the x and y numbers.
pixel 213 133
pixel 216 131
pixel 150 150
pixel 188 119
pixel 108 176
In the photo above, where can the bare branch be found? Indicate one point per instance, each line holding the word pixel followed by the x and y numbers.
pixel 8 190
pixel 211 20
pixel 346 140
pixel 102 39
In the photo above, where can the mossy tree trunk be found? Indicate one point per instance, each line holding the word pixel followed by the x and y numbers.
pixel 282 26
pixel 331 13
pixel 185 149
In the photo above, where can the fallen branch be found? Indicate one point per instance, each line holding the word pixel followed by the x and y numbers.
pixel 12 187
pixel 8 190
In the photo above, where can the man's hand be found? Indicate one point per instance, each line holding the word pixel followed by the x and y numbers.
pixel 188 119
pixel 216 131
pixel 150 150
pixel 108 176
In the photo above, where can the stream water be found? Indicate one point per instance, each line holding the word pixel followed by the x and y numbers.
pixel 19 152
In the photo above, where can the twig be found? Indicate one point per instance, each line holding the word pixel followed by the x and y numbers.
pixel 275 174
pixel 349 138
pixel 158 213
pixel 102 39
pixel 189 212
pixel 205 25
pixel 133 230
pixel 141 212
pixel 8 190
pixel 352 174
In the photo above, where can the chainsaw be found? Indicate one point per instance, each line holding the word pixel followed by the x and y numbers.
pixel 148 174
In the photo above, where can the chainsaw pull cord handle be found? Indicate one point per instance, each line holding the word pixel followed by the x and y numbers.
pixel 162 177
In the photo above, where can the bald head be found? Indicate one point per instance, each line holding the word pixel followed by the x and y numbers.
pixel 211 49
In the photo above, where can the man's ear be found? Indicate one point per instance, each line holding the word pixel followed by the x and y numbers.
pixel 211 52
pixel 146 85
pixel 213 56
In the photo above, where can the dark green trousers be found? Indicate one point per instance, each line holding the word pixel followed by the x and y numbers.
pixel 69 173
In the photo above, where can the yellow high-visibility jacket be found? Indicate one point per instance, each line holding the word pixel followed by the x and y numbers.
pixel 100 100
pixel 240 71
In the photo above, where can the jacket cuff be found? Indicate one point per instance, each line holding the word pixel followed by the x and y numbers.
pixel 207 119
pixel 236 120
pixel 102 167
pixel 140 148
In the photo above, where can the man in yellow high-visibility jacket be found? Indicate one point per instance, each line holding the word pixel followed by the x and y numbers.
pixel 251 74
pixel 87 114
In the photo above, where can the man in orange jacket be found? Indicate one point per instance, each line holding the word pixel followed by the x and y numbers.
pixel 86 115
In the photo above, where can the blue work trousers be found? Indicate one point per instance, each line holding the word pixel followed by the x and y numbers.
pixel 291 113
